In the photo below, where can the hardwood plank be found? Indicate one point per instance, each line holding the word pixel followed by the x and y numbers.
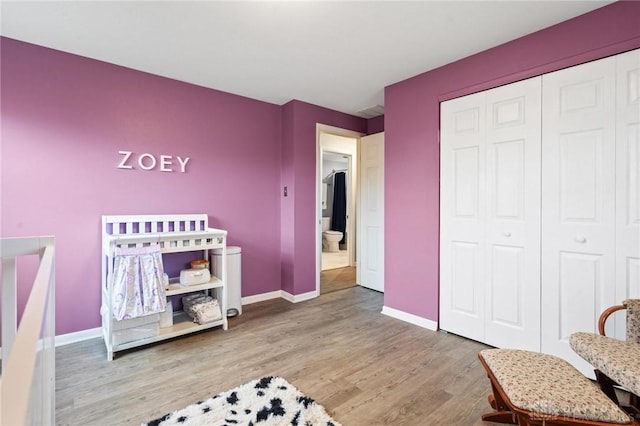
pixel 364 367
pixel 337 279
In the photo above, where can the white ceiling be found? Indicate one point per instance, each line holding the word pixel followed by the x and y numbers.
pixel 339 55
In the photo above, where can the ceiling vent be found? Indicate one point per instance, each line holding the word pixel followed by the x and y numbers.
pixel 371 112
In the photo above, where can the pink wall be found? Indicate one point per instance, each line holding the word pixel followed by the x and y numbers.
pixel 299 174
pixel 64 119
pixel 375 125
pixel 411 136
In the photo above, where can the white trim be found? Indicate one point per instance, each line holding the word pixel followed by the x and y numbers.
pixel 78 336
pixel 247 300
pixel 410 318
pixel 295 298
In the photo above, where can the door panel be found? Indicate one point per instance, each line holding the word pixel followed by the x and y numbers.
pixel 578 199
pixel 462 241
pixel 507 284
pixel 581 176
pixel 371 262
pixel 466 161
pixel 513 215
pixel 466 258
pixel 627 180
pixel 580 277
pixel 509 178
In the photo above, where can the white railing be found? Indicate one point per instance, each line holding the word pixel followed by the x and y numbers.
pixel 27 384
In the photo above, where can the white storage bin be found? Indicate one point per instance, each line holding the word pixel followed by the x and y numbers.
pixel 129 330
pixel 135 322
pixel 194 276
pixel 143 331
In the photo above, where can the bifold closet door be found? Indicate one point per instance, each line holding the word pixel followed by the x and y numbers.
pixel 462 216
pixel 512 292
pixel 627 181
pixel 578 202
pixel 490 216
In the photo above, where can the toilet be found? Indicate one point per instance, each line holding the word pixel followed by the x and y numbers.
pixel 330 239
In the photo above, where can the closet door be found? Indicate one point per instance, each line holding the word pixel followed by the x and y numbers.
pixel 462 216
pixel 627 181
pixel 512 284
pixel 490 216
pixel 578 199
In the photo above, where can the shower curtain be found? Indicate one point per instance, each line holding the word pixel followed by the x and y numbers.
pixel 339 213
pixel 137 282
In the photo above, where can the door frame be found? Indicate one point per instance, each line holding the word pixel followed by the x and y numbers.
pixel 355 187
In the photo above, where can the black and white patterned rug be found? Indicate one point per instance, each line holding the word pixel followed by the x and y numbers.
pixel 270 401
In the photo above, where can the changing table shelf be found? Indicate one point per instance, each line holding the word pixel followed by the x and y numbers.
pixel 175 288
pixel 174 234
pixel 182 324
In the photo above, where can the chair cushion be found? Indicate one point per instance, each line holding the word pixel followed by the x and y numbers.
pixel 547 384
pixel 633 320
pixel 620 360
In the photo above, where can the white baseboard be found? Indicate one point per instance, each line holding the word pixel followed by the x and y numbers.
pixel 261 297
pixel 78 336
pixel 295 298
pixel 410 318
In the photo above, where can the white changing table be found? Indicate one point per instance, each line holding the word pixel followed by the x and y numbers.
pixel 174 233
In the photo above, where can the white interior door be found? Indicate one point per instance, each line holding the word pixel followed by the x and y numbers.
pixel 627 180
pixel 578 198
pixel 462 216
pixel 371 247
pixel 490 216
pixel 512 284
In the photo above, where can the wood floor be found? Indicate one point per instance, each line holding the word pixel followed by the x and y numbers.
pixel 337 279
pixel 365 368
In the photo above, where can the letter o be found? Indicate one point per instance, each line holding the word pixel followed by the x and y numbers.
pixel 141 162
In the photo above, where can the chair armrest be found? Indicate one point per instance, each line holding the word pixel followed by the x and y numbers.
pixel 605 314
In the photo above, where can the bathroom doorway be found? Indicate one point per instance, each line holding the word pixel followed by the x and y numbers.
pixel 335 199
pixel 336 211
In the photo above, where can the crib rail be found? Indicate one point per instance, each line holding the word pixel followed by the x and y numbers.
pixel 154 224
pixel 27 384
pixel 174 233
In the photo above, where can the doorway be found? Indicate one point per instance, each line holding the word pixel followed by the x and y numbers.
pixel 336 169
pixel 337 175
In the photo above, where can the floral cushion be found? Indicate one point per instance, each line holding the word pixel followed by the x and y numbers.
pixel 620 360
pixel 549 385
pixel 633 320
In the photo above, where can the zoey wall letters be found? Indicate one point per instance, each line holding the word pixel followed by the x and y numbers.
pixel 147 161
